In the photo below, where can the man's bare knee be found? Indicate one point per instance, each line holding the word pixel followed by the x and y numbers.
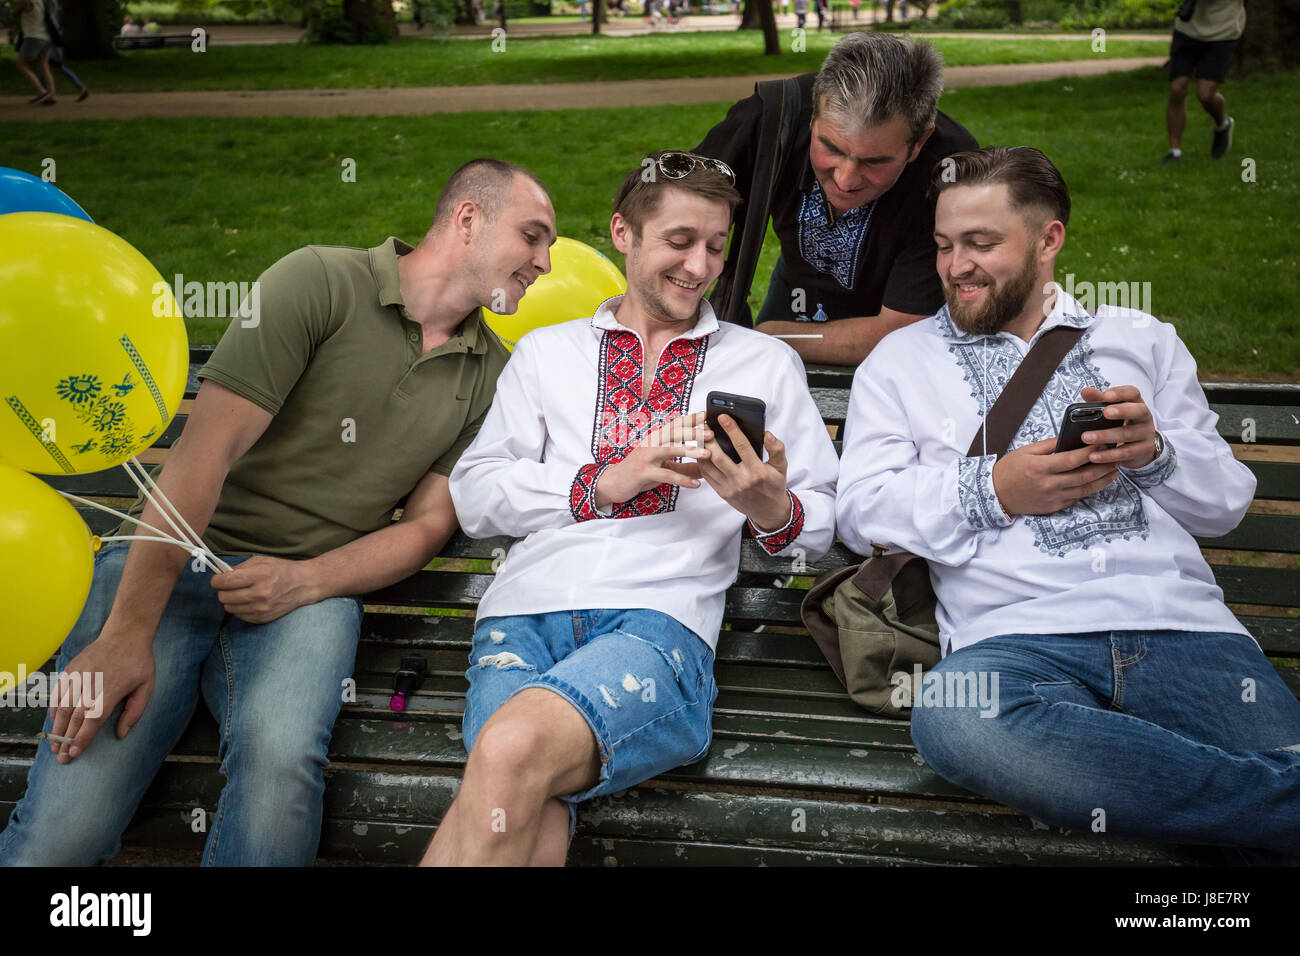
pixel 538 743
pixel 1178 89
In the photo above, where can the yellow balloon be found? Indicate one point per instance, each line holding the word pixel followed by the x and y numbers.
pixel 93 352
pixel 46 561
pixel 579 281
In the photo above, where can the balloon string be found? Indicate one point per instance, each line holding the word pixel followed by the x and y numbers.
pixel 162 536
pixel 194 552
pixel 119 514
pixel 144 491
pixel 198 541
pixel 154 495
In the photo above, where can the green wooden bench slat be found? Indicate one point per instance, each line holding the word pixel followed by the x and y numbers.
pixel 1260 533
pixel 1276 480
pixel 1274 424
pixel 886 832
pixel 1277 636
pixel 606 852
pixel 1272 586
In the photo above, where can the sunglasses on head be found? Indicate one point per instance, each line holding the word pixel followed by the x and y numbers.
pixel 678 165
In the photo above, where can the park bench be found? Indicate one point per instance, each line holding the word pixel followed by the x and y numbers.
pixel 152 41
pixel 796 773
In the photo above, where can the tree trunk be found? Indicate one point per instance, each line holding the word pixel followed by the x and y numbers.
pixel 1271 40
pixel 749 16
pixel 767 18
pixel 1014 14
pixel 597 15
pixel 88 30
pixel 372 21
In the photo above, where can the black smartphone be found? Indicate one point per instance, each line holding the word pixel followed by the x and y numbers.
pixel 749 413
pixel 1083 417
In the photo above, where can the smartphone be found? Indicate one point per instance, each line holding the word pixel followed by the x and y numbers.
pixel 1083 417
pixel 749 413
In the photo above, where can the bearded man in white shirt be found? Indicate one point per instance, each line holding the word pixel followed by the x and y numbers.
pixel 1070 582
pixel 591 668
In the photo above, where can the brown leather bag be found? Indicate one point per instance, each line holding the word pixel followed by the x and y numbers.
pixel 874 621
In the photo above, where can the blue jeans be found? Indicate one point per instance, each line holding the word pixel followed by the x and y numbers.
pixel 1167 735
pixel 642 681
pixel 275 690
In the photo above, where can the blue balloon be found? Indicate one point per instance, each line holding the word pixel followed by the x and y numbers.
pixel 23 192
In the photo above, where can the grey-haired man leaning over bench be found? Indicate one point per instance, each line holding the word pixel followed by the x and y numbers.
pixel 365 376
pixel 1126 697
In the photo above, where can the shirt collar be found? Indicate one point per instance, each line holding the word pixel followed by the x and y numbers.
pixel 605 319
pixel 383 266
pixel 1065 311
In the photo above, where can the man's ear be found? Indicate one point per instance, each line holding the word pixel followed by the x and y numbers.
pixel 1052 238
pixel 620 231
pixel 465 220
pixel 920 145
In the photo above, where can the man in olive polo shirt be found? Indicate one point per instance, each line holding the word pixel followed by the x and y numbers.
pixel 355 389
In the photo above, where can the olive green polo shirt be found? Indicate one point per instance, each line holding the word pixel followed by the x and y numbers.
pixel 361 412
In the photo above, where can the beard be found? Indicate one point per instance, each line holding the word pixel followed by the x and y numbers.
pixel 1004 302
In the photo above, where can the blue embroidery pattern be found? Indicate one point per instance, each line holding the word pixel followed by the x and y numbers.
pixel 832 248
pixel 1156 472
pixel 975 492
pixel 987 364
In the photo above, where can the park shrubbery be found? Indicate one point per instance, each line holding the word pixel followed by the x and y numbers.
pixel 210 11
pixel 1066 14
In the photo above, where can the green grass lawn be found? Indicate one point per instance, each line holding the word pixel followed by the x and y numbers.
pixel 222 199
pixel 414 61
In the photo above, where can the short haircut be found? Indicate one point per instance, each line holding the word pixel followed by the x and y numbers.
pixel 642 190
pixel 485 183
pixel 869 78
pixel 1033 184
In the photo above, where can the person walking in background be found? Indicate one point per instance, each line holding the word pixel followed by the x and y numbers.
pixel 1205 34
pixel 54 28
pixel 34 51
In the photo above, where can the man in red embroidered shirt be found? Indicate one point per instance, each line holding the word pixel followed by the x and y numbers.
pixel 592 662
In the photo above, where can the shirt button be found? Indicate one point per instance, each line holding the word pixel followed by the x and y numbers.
pixel 413 336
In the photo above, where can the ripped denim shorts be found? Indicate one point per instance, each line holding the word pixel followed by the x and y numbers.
pixel 643 682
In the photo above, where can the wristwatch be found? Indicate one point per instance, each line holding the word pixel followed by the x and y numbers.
pixel 1160 447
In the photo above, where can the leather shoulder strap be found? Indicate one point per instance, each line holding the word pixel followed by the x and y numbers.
pixel 780 99
pixel 1008 412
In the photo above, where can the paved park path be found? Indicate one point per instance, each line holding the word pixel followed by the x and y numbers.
pixel 424 100
pixel 234 34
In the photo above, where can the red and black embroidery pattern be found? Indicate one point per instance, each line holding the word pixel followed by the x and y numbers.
pixel 623 418
pixel 774 542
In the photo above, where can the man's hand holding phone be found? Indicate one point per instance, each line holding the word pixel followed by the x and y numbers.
pixel 754 487
pixel 1137 439
pixel 650 463
pixel 1033 480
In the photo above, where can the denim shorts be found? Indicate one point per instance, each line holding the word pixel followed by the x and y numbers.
pixel 642 681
